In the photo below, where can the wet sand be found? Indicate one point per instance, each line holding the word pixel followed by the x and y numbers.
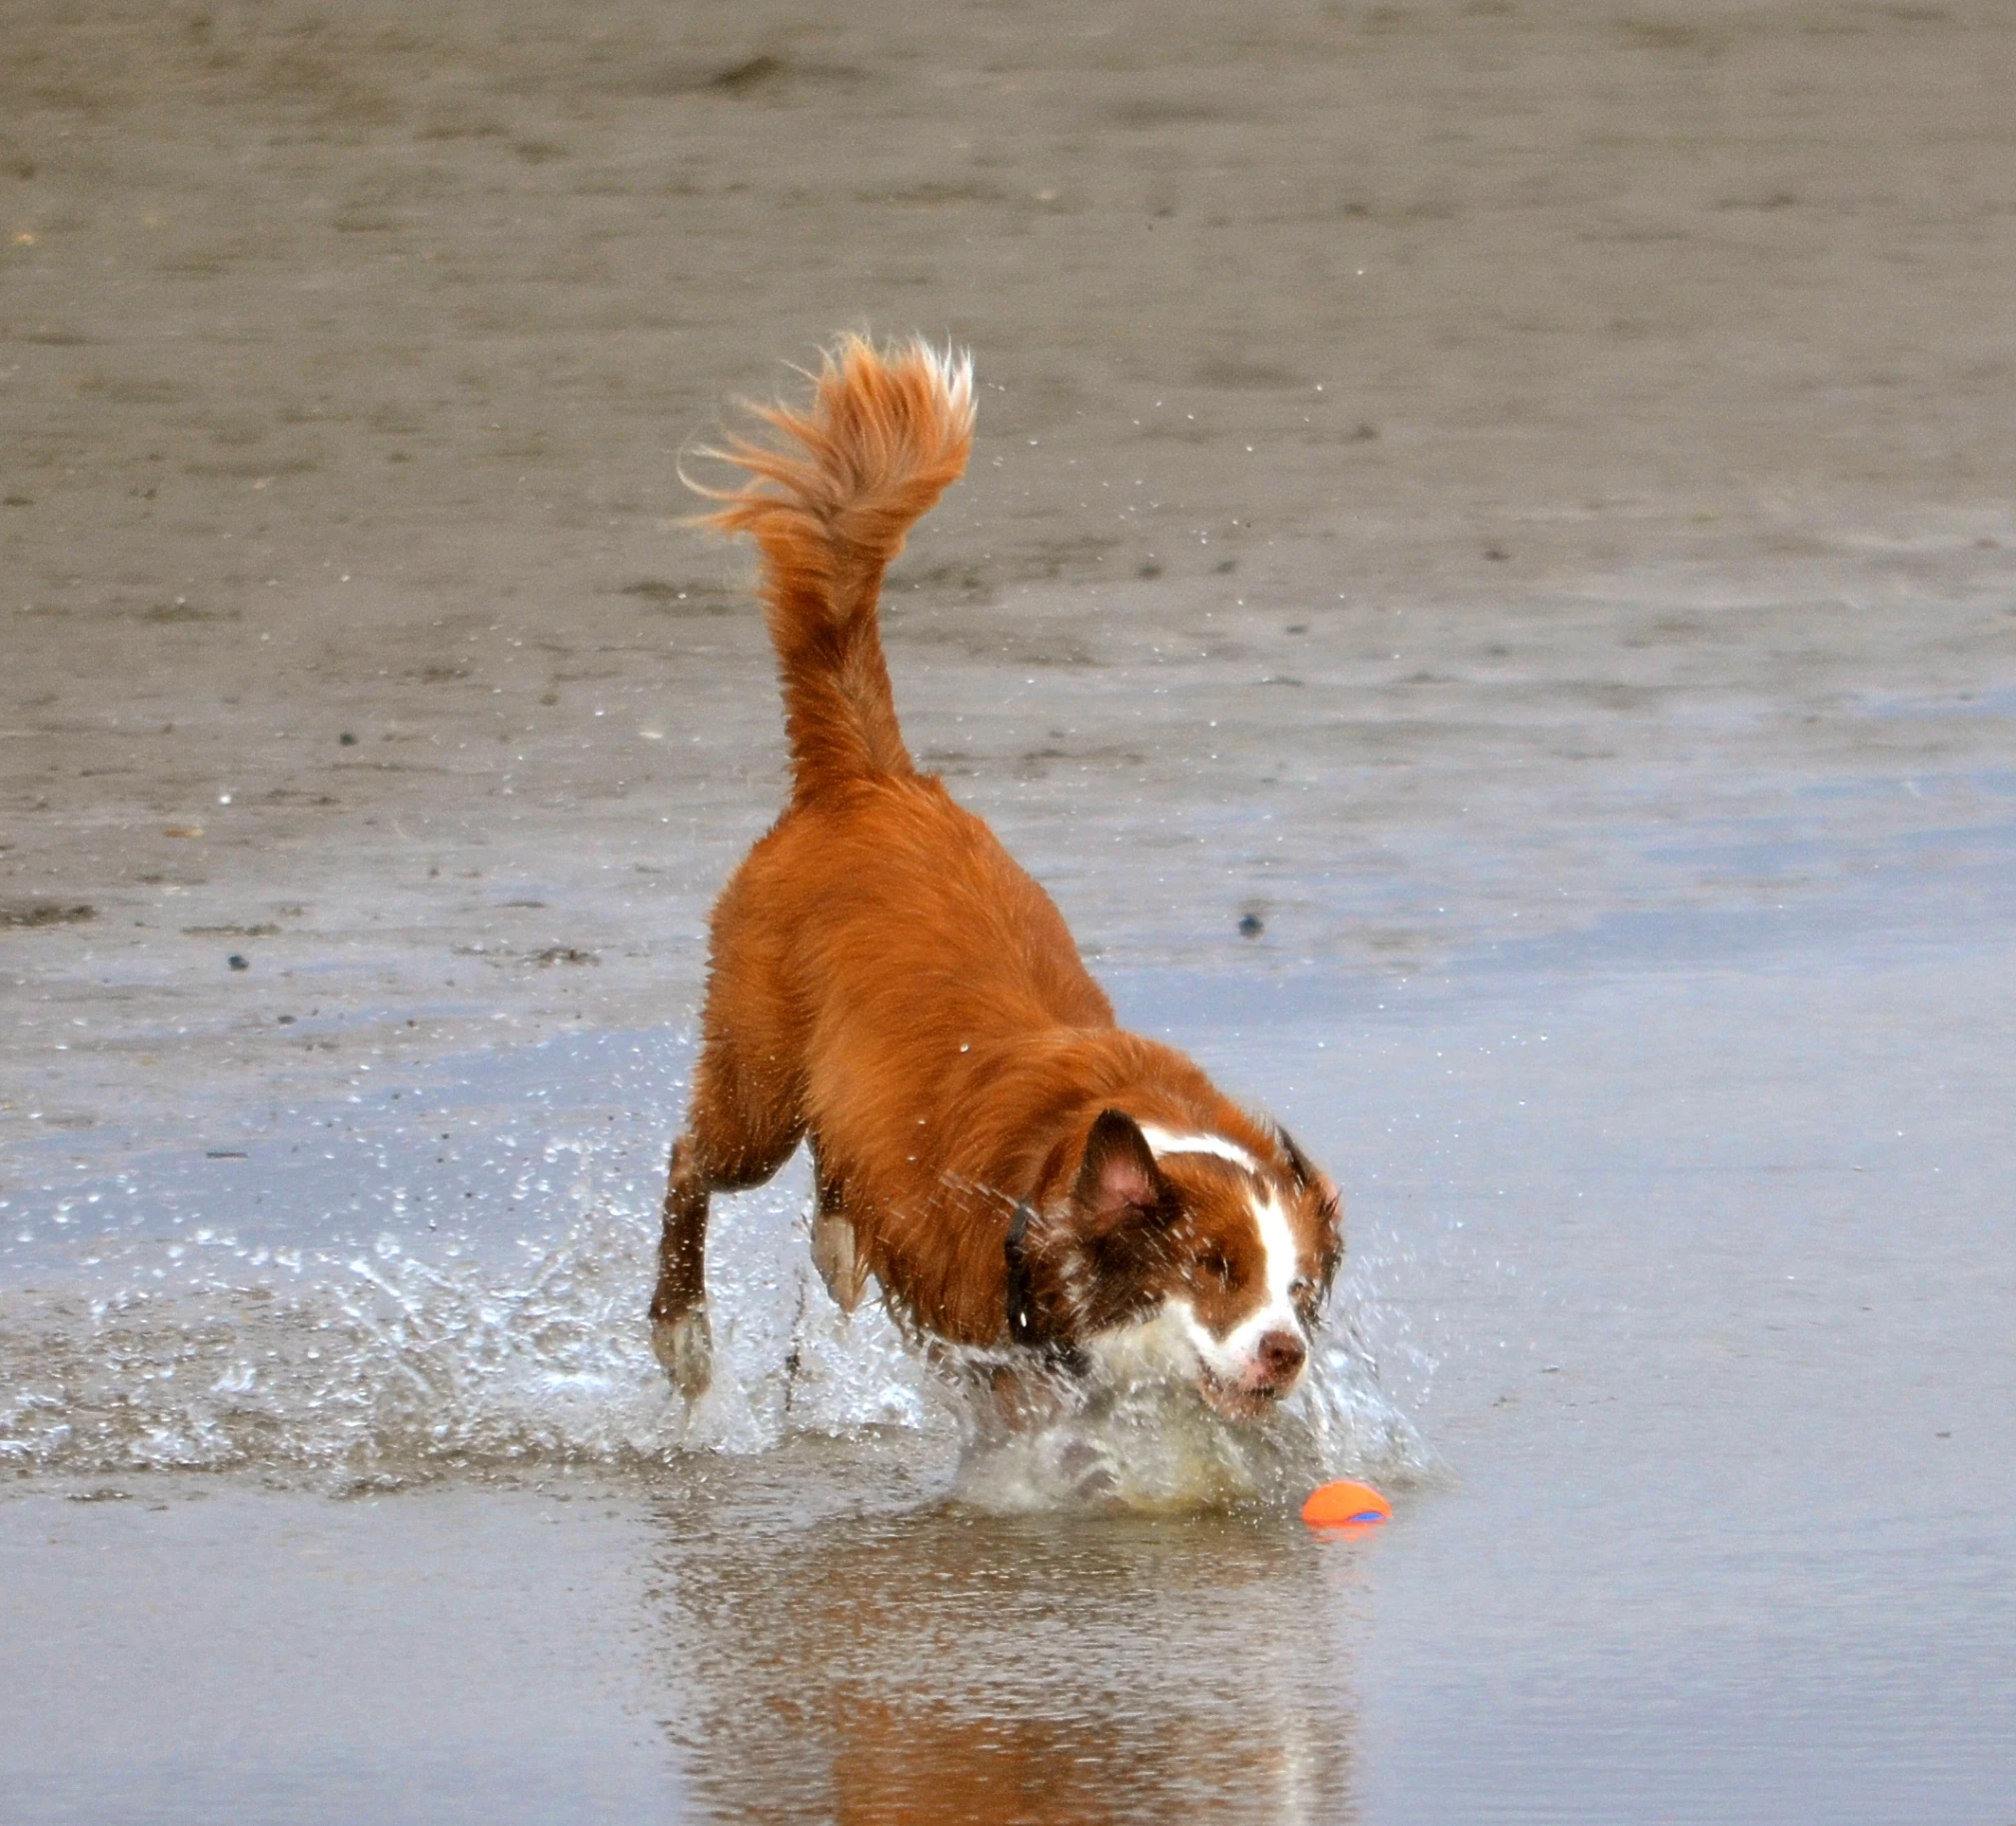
pixel 1514 498
pixel 1594 390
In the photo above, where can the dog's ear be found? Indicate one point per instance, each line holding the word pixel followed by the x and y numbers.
pixel 1118 1181
pixel 1075 1267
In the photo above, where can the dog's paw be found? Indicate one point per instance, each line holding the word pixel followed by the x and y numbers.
pixel 685 1346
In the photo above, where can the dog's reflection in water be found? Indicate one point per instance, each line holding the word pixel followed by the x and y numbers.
pixel 947 1668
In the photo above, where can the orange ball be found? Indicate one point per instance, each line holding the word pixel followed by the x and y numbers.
pixel 1347 1507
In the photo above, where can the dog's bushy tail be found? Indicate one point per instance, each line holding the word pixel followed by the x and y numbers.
pixel 885 432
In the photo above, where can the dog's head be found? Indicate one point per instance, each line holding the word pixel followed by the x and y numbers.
pixel 1180 1256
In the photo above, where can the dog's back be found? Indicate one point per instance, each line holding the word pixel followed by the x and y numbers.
pixel 884 981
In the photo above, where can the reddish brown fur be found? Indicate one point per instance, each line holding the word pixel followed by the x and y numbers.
pixel 884 981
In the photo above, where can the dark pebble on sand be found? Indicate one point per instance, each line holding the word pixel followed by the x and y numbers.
pixel 237 963
pixel 1251 925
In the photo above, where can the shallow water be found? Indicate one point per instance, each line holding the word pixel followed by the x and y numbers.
pixel 1677 1322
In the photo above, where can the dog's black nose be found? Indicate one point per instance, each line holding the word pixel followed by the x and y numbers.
pixel 1281 1354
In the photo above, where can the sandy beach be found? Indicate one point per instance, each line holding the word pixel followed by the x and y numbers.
pixel 1513 501
pixel 1546 367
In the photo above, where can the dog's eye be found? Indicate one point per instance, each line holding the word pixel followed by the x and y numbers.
pixel 1214 1264
pixel 1302 1290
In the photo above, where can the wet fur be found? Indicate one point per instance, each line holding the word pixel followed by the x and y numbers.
pixel 889 985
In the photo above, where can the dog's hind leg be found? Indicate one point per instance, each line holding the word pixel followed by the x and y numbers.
pixel 836 1253
pixel 734 1137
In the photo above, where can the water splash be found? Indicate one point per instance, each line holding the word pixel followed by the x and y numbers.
pixel 410 1357
pixel 422 1354
pixel 1157 1446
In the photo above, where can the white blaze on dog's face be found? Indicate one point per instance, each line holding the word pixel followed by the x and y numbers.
pixel 1184 1256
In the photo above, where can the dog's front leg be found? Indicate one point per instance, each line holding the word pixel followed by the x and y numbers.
pixel 680 1334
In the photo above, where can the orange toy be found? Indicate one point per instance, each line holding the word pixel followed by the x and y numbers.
pixel 1345 1507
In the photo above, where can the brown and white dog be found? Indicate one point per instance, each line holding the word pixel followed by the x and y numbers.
pixel 886 984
